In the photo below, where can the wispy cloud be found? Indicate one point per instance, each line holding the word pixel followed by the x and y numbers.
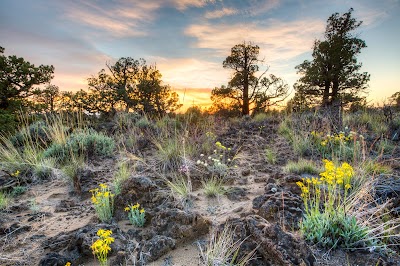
pixel 226 11
pixel 184 4
pixel 191 72
pixel 260 7
pixel 125 18
pixel 278 40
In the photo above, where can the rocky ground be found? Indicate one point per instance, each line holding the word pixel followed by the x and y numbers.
pixel 263 205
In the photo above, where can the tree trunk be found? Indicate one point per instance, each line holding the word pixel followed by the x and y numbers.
pixel 325 96
pixel 246 101
pixel 336 108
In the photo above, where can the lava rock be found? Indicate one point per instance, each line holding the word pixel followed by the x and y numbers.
pixel 236 194
pixel 155 248
pixel 280 206
pixel 64 206
pixel 180 225
pixel 54 259
pixel 272 245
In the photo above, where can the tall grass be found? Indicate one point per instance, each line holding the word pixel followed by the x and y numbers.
pixel 120 176
pixel 222 249
pixel 382 228
pixel 4 200
pixel 23 160
pixel 213 187
pixel 302 166
pixel 180 188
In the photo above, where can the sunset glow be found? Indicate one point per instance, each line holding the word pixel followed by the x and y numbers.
pixel 189 39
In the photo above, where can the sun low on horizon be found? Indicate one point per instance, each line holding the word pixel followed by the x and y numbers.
pixel 189 39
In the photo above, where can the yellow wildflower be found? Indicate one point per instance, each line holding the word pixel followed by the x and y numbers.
pixel 100 232
pixel 127 209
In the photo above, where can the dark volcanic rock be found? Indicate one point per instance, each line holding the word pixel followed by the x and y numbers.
pixel 137 189
pixel 279 206
pixel 76 245
pixel 155 248
pixel 180 225
pixel 236 194
pixel 53 259
pixel 65 205
pixel 85 181
pixel 273 246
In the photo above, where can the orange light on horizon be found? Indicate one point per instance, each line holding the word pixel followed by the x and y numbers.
pixel 190 97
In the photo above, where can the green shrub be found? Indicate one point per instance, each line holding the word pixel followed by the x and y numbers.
pixel 372 167
pixel 8 122
pixel 120 176
pixel 385 146
pixel 270 156
pixel 85 143
pixel 143 123
pixel 260 117
pixel 4 201
pixel 302 166
pixel 213 187
pixel 35 132
pixel 43 169
pixel 18 190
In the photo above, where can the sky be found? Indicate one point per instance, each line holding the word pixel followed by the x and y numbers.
pixel 189 39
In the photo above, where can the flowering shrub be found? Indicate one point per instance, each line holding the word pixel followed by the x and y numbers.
pixel 136 216
pixel 330 226
pixel 217 163
pixel 340 145
pixel 103 201
pixel 101 247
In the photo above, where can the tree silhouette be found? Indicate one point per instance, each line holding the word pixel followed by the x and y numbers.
pixel 333 75
pixel 245 90
pixel 46 99
pixel 17 78
pixel 134 85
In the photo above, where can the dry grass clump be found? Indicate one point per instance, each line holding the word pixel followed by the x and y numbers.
pixel 222 249
pixel 383 228
pixel 302 166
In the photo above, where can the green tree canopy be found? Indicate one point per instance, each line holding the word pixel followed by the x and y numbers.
pixel 245 90
pixel 46 99
pixel 334 73
pixel 17 78
pixel 133 84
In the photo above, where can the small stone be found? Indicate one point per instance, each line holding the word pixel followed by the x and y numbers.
pixel 238 209
pixel 246 172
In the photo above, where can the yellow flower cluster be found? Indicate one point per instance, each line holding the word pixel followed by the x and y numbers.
pixel 103 201
pixel 333 178
pixel 333 139
pixel 68 264
pixel 340 175
pixel 306 183
pixel 101 247
pixel 134 208
pixel 99 194
pixel 220 146
pixel 16 174
pixel 136 216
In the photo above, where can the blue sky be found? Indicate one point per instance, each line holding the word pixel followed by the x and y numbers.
pixel 189 39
